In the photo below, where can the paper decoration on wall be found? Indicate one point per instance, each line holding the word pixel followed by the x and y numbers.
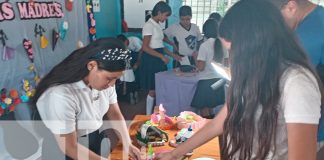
pixel 39 30
pixel 39 10
pixel 69 5
pixel 91 20
pixel 29 49
pixel 55 37
pixel 63 29
pixel 8 52
pixel 6 11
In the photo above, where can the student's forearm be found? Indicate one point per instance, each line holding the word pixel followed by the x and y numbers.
pixel 152 52
pixel 119 124
pixel 212 129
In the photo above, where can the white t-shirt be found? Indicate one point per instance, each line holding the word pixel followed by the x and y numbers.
pixel 135 44
pixel 188 40
pixel 154 29
pixel 74 107
pixel 206 54
pixel 300 103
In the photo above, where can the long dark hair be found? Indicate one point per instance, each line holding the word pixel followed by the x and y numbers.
pixel 262 48
pixel 162 7
pixel 210 30
pixel 74 67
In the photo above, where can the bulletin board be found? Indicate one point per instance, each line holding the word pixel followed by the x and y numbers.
pixel 34 37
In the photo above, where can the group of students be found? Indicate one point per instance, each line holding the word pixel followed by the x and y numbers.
pixel 273 104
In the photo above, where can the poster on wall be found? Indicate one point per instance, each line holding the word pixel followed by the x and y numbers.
pixel 136 12
pixel 96 5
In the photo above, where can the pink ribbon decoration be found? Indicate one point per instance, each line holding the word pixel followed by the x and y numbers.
pixel 29 50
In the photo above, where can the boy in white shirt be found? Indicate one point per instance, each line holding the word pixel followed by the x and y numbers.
pixel 186 34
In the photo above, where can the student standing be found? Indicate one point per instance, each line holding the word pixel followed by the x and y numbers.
pixel 154 59
pixel 186 33
pixel 307 19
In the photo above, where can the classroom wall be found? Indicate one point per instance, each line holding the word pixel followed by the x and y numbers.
pixel 108 20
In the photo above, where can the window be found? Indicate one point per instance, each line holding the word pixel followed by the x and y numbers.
pixel 202 8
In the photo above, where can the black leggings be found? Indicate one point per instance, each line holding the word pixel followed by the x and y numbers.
pixel 50 149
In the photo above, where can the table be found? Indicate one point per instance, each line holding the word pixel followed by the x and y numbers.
pixel 175 91
pixel 210 149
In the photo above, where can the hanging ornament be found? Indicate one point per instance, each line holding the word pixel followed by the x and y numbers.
pixel 29 49
pixel 8 52
pixel 43 42
pixel 63 29
pixel 39 31
pixel 69 5
pixel 55 37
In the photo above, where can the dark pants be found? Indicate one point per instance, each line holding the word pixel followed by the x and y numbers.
pixel 50 149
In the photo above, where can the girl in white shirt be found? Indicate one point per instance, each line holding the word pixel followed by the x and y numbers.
pixel 206 98
pixel 77 94
pixel 275 96
pixel 153 58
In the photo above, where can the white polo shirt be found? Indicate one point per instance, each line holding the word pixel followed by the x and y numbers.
pixel 74 107
pixel 188 39
pixel 206 54
pixel 135 44
pixel 154 29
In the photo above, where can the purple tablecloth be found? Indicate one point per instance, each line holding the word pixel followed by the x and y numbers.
pixel 175 92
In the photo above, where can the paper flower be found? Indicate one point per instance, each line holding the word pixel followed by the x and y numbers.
pixel 13 93
pixel 24 98
pixel 17 101
pixel 7 101
pixel 12 108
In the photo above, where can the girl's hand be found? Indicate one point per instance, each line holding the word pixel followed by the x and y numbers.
pixel 165 59
pixel 134 153
pixel 177 57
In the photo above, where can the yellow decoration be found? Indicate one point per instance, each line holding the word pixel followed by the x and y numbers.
pixel 88 8
pixel 29 93
pixel 36 79
pixel 31 67
pixel 43 41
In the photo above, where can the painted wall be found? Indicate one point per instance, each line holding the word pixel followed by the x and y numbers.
pixel 108 20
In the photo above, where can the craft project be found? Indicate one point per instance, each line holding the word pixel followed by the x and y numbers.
pixel 161 120
pixel 183 135
pixel 148 134
pixel 187 118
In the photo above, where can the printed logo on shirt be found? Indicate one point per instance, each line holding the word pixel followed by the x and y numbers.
pixel 191 41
